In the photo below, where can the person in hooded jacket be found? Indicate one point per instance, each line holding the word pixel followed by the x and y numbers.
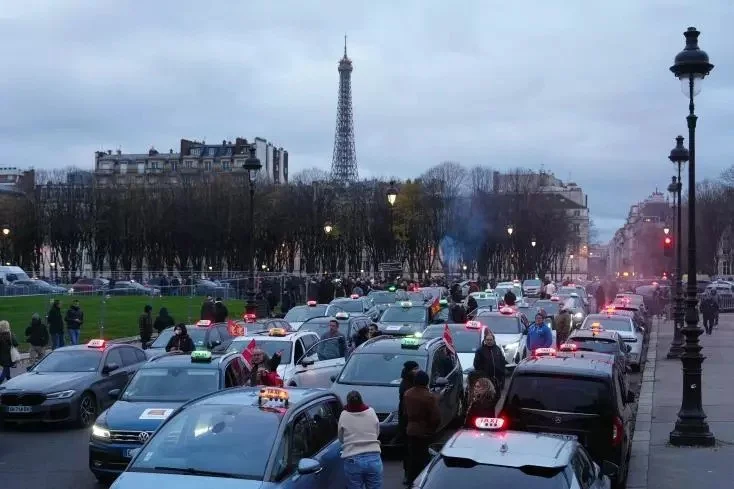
pixel 37 336
pixel 180 341
pixel 207 310
pixel 407 376
pixel 56 324
pixel 145 326
pixel 74 320
pixel 220 311
pixel 471 304
pixel 163 321
pixel 490 362
pixel 483 402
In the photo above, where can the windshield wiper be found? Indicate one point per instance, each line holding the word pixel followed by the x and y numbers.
pixel 193 471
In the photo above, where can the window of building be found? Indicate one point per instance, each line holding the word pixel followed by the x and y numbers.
pixel 208 165
pixel 212 151
pixel 576 228
pixel 226 164
pixel 189 164
pixel 195 152
pixel 577 213
pixel 725 268
pixel 123 168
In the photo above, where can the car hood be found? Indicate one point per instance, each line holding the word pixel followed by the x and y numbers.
pixel 47 382
pixel 136 416
pixel 506 339
pixel 381 398
pixel 145 480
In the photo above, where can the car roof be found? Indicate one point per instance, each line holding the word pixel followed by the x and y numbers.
pixel 292 336
pixel 393 344
pixel 559 365
pixel 108 346
pixel 486 312
pixel 589 333
pixel 509 448
pixel 612 316
pixel 248 396
pixel 181 359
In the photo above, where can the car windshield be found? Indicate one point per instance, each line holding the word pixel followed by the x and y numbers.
pixel 396 314
pixel 599 345
pixel 300 314
pixel 573 303
pixel 198 336
pixel 285 347
pixel 489 303
pixel 531 283
pixel 501 291
pixel 382 297
pixel 173 384
pixel 465 340
pixel 466 474
pixel 70 361
pixel 321 326
pixel 350 305
pixel 212 438
pixel 572 290
pixel 500 324
pixel 377 368
pixel 551 308
pixel 610 324
pixel 40 283
pixel 558 393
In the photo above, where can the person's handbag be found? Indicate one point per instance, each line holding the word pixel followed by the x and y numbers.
pixel 14 355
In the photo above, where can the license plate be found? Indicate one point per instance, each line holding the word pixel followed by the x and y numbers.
pixel 130 452
pixel 562 436
pixel 18 409
pixel 394 328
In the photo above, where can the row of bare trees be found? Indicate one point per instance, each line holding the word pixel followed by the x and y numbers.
pixel 450 217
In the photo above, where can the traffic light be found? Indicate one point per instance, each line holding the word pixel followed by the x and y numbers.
pixel 668 246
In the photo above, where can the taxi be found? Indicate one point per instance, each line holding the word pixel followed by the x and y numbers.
pixel 298 314
pixel 244 438
pixel 472 457
pixel 485 300
pixel 292 347
pixel 627 329
pixel 157 389
pixel 405 318
pixel 467 339
pixel 354 304
pixel 206 335
pixel 441 314
pixel 510 328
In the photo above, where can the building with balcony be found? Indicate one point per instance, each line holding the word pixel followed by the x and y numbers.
pixel 196 161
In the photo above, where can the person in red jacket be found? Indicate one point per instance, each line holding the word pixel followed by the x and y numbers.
pixel 269 376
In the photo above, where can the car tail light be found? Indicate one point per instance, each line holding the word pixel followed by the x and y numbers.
pixel 617 431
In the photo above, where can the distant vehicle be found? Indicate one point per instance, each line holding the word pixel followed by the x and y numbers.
pixel 532 287
pixel 9 274
pixel 298 314
pixel 405 318
pixel 125 287
pixel 633 336
pixel 89 286
pixel 205 335
pixel 353 305
pixel 33 287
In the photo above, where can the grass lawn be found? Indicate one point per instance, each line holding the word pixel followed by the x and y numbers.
pixel 118 314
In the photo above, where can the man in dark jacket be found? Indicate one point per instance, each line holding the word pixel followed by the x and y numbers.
pixel 207 310
pixel 424 419
pixel 600 298
pixel 145 326
pixel 220 311
pixel 163 321
pixel 74 320
pixel 407 376
pixel 56 324
pixel 37 336
pixel 180 341
pixel 490 362
pixel 709 308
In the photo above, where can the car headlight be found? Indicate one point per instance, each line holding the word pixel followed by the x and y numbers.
pixel 100 432
pixel 579 315
pixel 60 394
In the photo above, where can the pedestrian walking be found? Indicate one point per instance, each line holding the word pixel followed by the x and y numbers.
pixel 708 311
pixel 163 321
pixel 539 334
pixel 37 336
pixel 482 403
pixel 600 298
pixel 358 431
pixel 424 418
pixel 490 361
pixel 220 311
pixel 407 376
pixel 74 320
pixel 562 324
pixel 145 326
pixel 55 324
pixel 8 350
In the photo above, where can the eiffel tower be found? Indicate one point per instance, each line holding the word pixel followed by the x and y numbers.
pixel 344 160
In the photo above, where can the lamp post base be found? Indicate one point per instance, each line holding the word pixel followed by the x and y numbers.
pixel 692 433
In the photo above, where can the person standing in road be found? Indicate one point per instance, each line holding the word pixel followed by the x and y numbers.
pixel 74 320
pixel 163 321
pixel 358 430
pixel 490 361
pixel 220 311
pixel 482 403
pixel 407 376
pixel 336 348
pixel 37 336
pixel 562 325
pixel 550 289
pixel 539 334
pixel 180 341
pixel 600 298
pixel 424 418
pixel 7 343
pixel 145 326
pixel 56 324
pixel 708 311
pixel 207 310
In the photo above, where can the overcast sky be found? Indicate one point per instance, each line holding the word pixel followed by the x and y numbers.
pixel 581 88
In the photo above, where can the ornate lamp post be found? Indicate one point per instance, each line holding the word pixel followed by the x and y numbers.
pixel 679 156
pixel 691 429
pixel 6 237
pixel 392 196
pixel 253 166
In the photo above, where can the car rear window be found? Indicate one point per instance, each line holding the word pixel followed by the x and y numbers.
pixel 599 345
pixel 466 474
pixel 559 393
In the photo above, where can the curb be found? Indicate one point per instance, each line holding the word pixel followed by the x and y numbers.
pixel 24 357
pixel 639 461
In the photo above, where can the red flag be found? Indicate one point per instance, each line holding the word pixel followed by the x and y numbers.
pixel 448 339
pixel 435 307
pixel 247 354
pixel 234 329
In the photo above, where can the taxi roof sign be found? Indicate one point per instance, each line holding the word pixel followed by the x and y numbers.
pixel 311 303
pixel 507 310
pixel 391 288
pixel 277 332
pixel 443 302
pixel 341 315
pixel 273 394
pixel 473 325
pixel 201 356
pixel 406 304
pixel 489 423
pixel 96 344
pixel 569 347
pixel 354 296
pixel 555 298
pixel 544 352
pixel 411 343
pixel 204 323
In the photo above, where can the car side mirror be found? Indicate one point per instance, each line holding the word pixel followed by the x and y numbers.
pixel 307 362
pixel 109 368
pixel 333 378
pixel 114 393
pixel 309 466
pixel 609 469
pixel 631 397
pixel 441 382
pixel 214 344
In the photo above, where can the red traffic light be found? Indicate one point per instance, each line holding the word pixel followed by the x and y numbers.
pixel 668 241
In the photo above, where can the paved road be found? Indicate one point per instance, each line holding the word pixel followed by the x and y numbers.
pixel 56 457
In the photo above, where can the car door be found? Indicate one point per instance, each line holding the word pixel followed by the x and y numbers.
pixel 324 425
pixel 214 339
pixel 320 363
pixel 441 367
pixel 115 379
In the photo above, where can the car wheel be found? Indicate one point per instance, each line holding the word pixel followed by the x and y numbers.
pixel 87 410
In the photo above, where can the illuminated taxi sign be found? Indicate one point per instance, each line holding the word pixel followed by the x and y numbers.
pixel 443 302
pixel 473 325
pixel 204 323
pixel 406 304
pixel 249 318
pixel 596 328
pixel 354 296
pixel 342 315
pixel 555 298
pixel 489 423
pixel 569 347
pixel 201 356
pixel 311 303
pixel 277 332
pixel 273 394
pixel 96 344
pixel 411 343
pixel 544 352
pixel 391 288
pixel 507 310
pixel 418 334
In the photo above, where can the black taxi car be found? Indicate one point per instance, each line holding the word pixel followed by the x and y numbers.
pixel 374 370
pixel 584 399
pixel 206 335
pixel 348 325
pixel 405 318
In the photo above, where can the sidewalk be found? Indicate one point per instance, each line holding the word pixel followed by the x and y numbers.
pixel 655 464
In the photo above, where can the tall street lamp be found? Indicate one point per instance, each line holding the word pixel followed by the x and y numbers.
pixel 6 237
pixel 691 429
pixel 679 156
pixel 392 196
pixel 253 166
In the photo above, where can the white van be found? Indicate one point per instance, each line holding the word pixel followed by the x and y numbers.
pixel 11 274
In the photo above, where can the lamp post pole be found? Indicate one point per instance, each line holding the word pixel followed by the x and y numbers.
pixel 691 429
pixel 253 166
pixel 678 155
pixel 392 196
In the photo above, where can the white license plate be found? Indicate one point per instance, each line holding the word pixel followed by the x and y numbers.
pixel 394 328
pixel 18 409
pixel 562 436
pixel 130 452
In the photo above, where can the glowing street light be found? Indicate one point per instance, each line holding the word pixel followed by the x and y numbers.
pixel 533 242
pixel 510 230
pixel 328 227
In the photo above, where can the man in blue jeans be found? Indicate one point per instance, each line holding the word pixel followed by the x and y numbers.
pixel 358 432
pixel 74 320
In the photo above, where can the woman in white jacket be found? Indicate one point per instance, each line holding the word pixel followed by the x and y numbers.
pixel 358 432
